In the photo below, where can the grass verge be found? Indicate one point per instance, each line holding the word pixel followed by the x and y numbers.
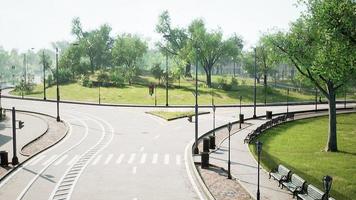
pixel 299 145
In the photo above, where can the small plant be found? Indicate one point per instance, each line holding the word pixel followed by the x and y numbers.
pixel 222 84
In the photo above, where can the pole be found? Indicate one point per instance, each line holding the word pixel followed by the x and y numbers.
pixel 196 149
pixel 99 95
pixel 166 78
pixel 258 176
pixel 15 160
pixel 25 63
pixel 316 99
pixel 155 87
pixel 229 162
pixel 287 99
pixel 44 76
pixel 234 69
pixel 240 113
pixel 254 92
pixel 58 118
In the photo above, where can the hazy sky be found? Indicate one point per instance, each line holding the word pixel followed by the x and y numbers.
pixel 26 24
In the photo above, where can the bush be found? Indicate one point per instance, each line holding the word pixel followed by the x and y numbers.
pixel 64 75
pixel 117 79
pixel 86 82
pixel 234 83
pixel 222 84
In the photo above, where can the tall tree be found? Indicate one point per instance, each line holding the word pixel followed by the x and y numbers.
pixel 321 46
pixel 127 51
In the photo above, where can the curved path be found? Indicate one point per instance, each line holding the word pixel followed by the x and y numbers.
pixel 113 153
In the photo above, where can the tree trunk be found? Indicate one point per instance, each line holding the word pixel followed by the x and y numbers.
pixel 258 79
pixel 208 78
pixel 188 67
pixel 265 79
pixel 332 137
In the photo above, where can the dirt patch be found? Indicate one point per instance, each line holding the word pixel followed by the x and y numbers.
pixel 222 188
pixel 55 132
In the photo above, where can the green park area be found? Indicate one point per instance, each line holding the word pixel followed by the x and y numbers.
pixel 179 93
pixel 300 145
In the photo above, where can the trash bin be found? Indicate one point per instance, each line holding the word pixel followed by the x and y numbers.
pixel 268 114
pixel 242 119
pixel 4 161
pixel 212 142
pixel 204 160
pixel 206 144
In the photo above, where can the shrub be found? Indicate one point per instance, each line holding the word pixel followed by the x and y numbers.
pixel 117 79
pixel 234 83
pixel 222 84
pixel 64 75
pixel 86 82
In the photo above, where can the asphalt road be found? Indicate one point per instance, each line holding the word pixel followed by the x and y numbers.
pixel 114 153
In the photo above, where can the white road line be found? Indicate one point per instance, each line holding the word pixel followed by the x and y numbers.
pixel 166 159
pixel 61 159
pixel 134 170
pixel 49 159
pixel 72 160
pixel 154 158
pixel 108 159
pixel 143 158
pixel 96 160
pixel 119 160
pixel 142 148
pixel 135 199
pixel 37 160
pixel 132 158
pixel 178 159
pixel 156 137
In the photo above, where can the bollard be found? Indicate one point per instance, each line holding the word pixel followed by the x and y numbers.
pixel 268 114
pixel 4 160
pixel 206 144
pixel 242 119
pixel 212 142
pixel 204 160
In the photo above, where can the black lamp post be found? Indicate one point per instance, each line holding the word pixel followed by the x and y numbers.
pixel 316 99
pixel 58 118
pixel 240 116
pixel 327 182
pixel 287 100
pixel 254 91
pixel 167 38
pixel 259 150
pixel 22 87
pixel 44 75
pixel 99 94
pixel 196 149
pixel 229 126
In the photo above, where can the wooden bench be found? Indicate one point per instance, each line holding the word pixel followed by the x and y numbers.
pixel 311 193
pixel 281 174
pixel 295 184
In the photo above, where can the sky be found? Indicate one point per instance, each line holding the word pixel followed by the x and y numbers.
pixel 26 24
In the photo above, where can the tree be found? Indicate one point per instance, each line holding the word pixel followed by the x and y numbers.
pixel 210 46
pixel 176 40
pixel 157 72
pixel 321 46
pixel 96 44
pixel 127 51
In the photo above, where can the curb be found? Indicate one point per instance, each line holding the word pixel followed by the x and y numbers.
pixel 48 147
pixel 171 119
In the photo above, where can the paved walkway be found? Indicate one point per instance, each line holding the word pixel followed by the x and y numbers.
pixel 244 166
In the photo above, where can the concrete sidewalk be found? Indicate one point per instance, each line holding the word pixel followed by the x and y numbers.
pixel 244 166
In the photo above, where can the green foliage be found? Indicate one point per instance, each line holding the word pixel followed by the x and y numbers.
pixel 234 83
pixel 86 82
pixel 223 84
pixel 116 78
pixel 157 72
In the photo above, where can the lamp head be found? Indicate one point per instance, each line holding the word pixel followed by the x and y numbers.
pixel 327 182
pixel 229 126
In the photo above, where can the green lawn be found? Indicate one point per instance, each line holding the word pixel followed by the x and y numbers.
pixel 299 145
pixel 170 115
pixel 178 95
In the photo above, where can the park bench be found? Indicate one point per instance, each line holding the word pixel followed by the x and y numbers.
pixel 281 174
pixel 311 193
pixel 295 184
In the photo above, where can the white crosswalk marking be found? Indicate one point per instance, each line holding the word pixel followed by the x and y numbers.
pixel 61 160
pixel 132 158
pixel 178 159
pixel 134 170
pixel 166 159
pixel 96 160
pixel 37 160
pixel 49 160
pixel 142 148
pixel 120 158
pixel 108 159
pixel 154 158
pixel 71 162
pixel 143 158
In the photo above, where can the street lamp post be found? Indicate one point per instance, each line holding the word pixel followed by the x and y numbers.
pixel 196 149
pixel 58 118
pixel 44 75
pixel 316 99
pixel 155 88
pixel 229 126
pixel 327 182
pixel 22 87
pixel 15 160
pixel 254 91
pixel 259 150
pixel 99 94
pixel 287 100
pixel 240 113
pixel 167 78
